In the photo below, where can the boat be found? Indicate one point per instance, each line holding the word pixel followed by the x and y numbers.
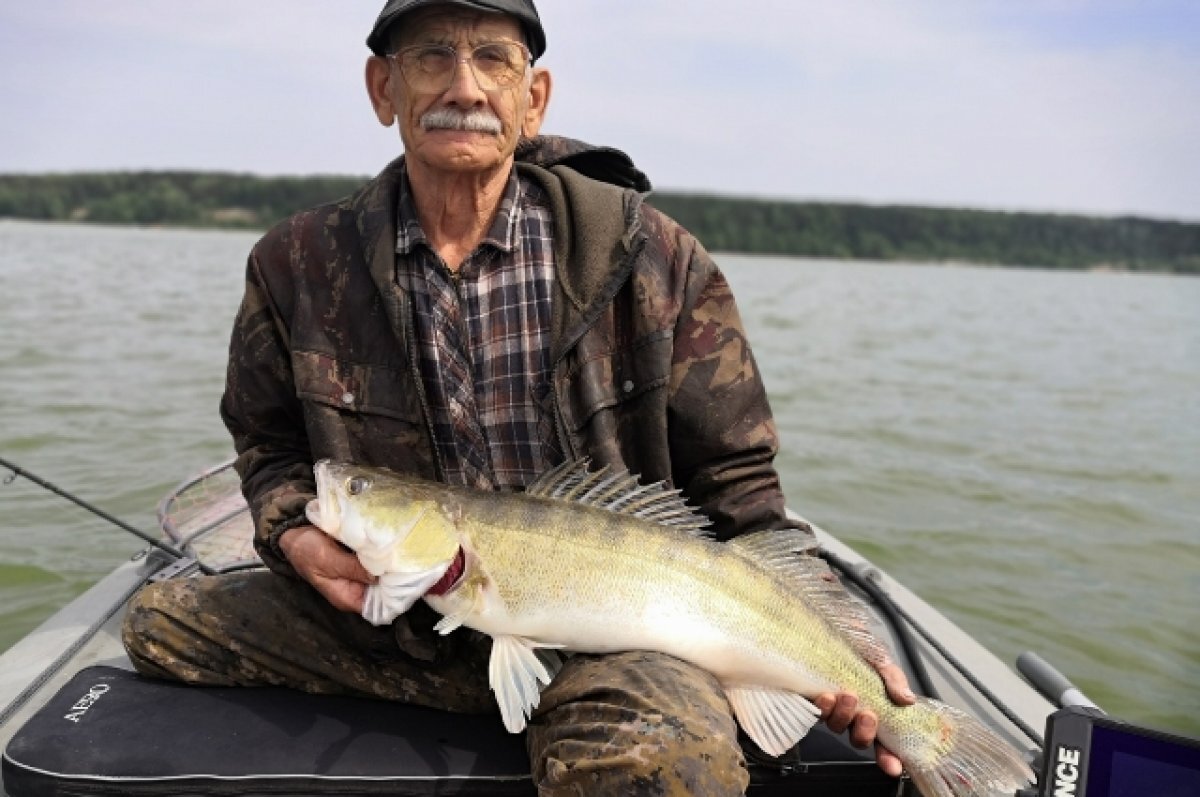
pixel 70 665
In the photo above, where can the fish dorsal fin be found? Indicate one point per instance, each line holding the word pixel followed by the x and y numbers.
pixel 791 555
pixel 618 491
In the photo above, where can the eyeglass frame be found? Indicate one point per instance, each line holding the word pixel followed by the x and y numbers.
pixel 468 59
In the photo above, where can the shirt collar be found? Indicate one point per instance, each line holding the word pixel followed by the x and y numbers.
pixel 502 233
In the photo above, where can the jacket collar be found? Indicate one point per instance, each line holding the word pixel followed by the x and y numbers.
pixel 374 209
pixel 596 229
pixel 601 224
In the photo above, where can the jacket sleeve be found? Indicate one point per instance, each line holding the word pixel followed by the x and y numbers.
pixel 263 414
pixel 722 434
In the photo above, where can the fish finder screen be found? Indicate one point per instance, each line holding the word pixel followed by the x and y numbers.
pixel 1124 764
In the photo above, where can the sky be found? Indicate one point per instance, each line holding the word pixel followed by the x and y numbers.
pixel 1075 106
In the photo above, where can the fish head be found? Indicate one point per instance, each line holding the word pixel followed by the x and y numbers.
pixel 395 523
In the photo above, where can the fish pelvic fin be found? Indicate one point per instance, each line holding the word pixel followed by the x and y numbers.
pixel 516 667
pixel 619 491
pixel 964 758
pixel 790 554
pixel 395 592
pixel 775 719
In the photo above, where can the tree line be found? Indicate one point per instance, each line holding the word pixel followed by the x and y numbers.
pixel 722 223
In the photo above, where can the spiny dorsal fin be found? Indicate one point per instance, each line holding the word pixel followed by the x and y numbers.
pixel 618 491
pixel 791 554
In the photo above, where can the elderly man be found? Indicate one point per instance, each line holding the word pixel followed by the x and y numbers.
pixel 492 304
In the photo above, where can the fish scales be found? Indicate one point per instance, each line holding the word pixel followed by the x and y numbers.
pixel 564 565
pixel 541 572
pixel 561 561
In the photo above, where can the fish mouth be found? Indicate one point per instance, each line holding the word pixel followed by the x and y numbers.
pixel 312 511
pixel 322 511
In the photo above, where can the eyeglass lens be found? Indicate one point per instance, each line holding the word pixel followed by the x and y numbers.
pixel 431 67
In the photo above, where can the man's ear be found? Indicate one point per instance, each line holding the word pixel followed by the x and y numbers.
pixel 379 84
pixel 540 86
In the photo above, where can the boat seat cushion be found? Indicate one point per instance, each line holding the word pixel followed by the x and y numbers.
pixel 111 731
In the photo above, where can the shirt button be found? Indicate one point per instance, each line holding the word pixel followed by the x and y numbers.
pixel 627 387
pixel 347 398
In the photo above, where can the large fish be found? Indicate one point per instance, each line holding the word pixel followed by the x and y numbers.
pixel 597 563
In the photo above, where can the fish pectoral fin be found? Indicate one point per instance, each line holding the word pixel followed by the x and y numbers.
pixel 394 593
pixel 516 667
pixel 775 719
pixel 449 622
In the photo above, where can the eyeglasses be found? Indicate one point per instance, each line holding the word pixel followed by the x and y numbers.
pixel 431 67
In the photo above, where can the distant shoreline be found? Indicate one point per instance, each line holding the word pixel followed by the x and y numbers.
pixel 227 201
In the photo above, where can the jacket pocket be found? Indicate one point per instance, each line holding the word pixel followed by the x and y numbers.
pixel 355 387
pixel 613 379
pixel 362 412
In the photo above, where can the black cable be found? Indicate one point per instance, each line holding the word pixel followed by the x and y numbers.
pixel 157 543
pixel 888 607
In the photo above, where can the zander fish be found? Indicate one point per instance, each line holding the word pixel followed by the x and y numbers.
pixel 596 562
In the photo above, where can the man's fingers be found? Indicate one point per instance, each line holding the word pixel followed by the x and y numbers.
pixel 842 711
pixel 342 594
pixel 863 730
pixel 888 761
pixel 316 555
pixel 351 568
pixel 896 683
pixel 334 571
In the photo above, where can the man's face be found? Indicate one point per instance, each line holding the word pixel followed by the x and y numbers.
pixel 507 111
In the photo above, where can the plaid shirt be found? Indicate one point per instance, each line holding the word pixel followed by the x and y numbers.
pixel 483 337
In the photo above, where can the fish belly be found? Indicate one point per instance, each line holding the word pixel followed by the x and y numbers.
pixel 606 587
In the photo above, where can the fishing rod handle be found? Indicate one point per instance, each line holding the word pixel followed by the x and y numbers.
pixel 1051 683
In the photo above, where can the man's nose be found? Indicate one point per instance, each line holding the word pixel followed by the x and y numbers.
pixel 464 87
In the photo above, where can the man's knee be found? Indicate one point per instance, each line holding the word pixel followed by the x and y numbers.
pixel 151 629
pixel 652 763
pixel 638 724
pixel 188 629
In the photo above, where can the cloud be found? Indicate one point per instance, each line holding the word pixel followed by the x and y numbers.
pixel 1065 105
pixel 900 101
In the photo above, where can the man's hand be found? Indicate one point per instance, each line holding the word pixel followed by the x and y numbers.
pixel 840 711
pixel 321 561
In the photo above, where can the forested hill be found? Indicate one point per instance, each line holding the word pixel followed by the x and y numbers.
pixel 723 223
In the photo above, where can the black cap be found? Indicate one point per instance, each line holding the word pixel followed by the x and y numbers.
pixel 523 10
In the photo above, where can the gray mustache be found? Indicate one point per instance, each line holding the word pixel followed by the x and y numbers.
pixel 477 120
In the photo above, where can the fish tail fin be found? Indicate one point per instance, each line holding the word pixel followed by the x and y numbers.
pixel 964 758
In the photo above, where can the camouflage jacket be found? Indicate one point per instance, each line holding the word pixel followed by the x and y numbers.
pixel 652 371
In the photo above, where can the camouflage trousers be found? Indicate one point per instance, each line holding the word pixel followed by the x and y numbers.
pixel 633 723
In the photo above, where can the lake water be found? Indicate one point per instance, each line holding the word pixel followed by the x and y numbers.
pixel 1021 447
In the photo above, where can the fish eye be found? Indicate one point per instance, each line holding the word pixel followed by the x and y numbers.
pixel 357 485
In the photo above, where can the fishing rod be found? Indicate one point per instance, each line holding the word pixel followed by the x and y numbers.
pixel 43 483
